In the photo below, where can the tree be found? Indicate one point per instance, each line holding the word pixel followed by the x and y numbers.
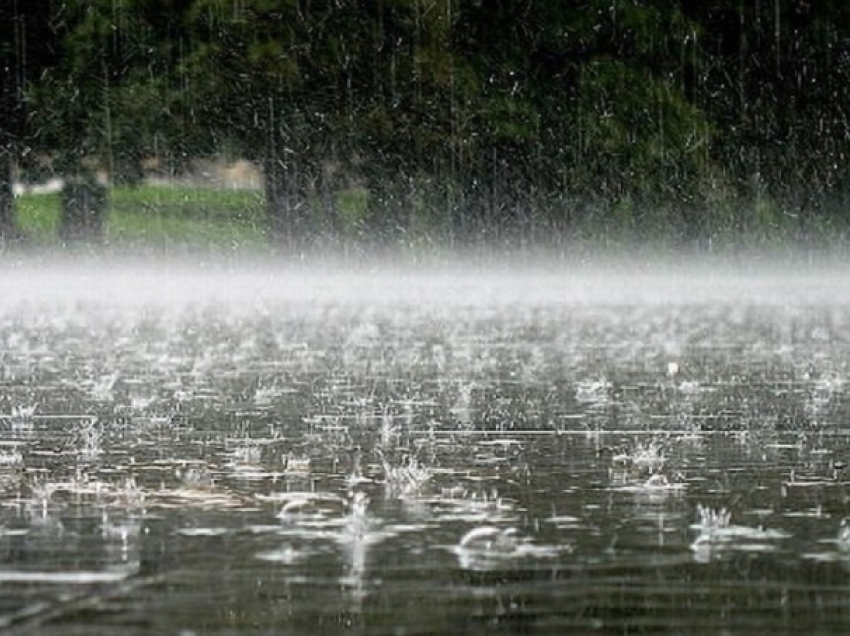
pixel 778 81
pixel 28 44
pixel 470 118
pixel 299 88
pixel 110 100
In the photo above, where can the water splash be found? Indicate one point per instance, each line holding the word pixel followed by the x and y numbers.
pixel 405 480
pixel 717 535
pixel 485 548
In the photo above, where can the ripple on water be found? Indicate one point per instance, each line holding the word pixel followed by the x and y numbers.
pixel 82 577
pixel 486 548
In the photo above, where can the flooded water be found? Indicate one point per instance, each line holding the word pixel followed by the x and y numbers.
pixel 280 452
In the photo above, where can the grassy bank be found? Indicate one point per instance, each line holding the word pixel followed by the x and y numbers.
pixel 201 218
pixel 160 217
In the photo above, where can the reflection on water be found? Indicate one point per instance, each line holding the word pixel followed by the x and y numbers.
pixel 493 454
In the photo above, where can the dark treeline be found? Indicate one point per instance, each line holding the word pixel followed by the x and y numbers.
pixel 451 120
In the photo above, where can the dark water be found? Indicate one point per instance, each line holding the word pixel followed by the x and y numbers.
pixel 282 453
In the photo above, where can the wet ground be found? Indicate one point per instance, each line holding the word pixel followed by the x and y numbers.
pixel 273 452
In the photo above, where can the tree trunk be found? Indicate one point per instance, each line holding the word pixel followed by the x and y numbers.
pixel 277 203
pixel 287 206
pixel 83 209
pixel 8 226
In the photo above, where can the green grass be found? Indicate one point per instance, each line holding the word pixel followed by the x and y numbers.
pixel 161 216
pixel 200 218
pixel 188 202
pixel 38 216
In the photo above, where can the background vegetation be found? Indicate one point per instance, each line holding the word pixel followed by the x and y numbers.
pixel 518 122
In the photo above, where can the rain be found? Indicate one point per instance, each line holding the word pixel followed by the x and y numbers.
pixel 423 316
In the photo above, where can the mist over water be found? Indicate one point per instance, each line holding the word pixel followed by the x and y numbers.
pixel 289 447
pixel 177 281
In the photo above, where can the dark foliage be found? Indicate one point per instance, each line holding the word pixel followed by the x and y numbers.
pixel 458 121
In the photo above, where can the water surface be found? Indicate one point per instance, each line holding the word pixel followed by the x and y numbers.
pixel 272 450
